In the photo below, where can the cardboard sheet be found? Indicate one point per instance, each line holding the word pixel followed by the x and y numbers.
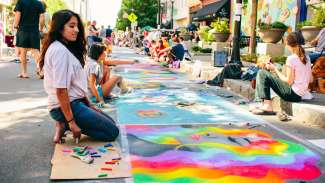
pixel 65 166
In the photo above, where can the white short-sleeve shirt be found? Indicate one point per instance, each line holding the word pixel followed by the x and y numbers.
pixel 63 70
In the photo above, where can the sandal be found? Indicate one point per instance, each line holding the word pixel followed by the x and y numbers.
pixel 23 77
pixel 259 111
pixel 282 116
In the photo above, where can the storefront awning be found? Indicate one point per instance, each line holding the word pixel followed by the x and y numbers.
pixel 209 10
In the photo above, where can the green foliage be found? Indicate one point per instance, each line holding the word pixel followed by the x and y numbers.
pixel 274 25
pixel 145 10
pixel 55 5
pixel 280 60
pixel 183 30
pixel 206 50
pixel 197 49
pixel 305 23
pixel 249 58
pixel 221 26
pixel 318 19
pixel 204 33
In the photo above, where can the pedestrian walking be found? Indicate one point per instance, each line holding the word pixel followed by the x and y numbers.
pixel 65 81
pixel 29 21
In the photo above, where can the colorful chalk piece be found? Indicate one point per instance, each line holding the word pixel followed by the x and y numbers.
pixel 66 151
pixel 93 153
pixel 116 158
pixel 107 169
pixel 102 175
pixel 96 156
pixel 108 145
pixel 109 163
pixel 102 149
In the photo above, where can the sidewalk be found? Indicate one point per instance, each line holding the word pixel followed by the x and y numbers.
pixel 309 112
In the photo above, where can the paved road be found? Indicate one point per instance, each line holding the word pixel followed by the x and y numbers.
pixel 26 129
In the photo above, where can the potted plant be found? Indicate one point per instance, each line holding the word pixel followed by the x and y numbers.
pixel 271 33
pixel 204 33
pixel 185 34
pixel 311 28
pixel 221 30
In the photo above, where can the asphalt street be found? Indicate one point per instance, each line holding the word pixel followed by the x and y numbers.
pixel 26 130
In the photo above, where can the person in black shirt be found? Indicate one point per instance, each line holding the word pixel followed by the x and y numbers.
pixel 29 20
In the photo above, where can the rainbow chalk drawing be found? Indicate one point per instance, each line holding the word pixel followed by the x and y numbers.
pixel 170 154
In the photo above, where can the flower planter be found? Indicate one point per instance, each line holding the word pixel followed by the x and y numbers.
pixel 310 32
pixel 271 35
pixel 221 37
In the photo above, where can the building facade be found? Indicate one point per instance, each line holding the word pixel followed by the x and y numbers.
pixel 82 7
pixel 181 14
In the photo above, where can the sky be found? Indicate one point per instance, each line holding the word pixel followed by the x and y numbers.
pixel 105 11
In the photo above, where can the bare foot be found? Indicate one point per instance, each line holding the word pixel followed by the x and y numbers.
pixel 59 132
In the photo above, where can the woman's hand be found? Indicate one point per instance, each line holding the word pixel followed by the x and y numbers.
pixel 270 66
pixel 96 108
pixel 75 130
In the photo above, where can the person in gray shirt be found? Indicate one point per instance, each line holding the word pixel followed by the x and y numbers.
pixel 319 43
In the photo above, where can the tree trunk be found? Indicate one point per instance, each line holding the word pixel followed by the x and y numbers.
pixel 252 40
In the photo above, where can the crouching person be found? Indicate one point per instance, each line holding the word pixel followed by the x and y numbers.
pixel 292 86
pixel 65 81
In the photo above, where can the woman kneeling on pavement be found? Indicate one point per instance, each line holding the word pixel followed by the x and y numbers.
pixel 65 81
pixel 98 74
pixel 292 86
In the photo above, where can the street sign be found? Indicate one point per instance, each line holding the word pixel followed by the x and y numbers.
pixel 132 17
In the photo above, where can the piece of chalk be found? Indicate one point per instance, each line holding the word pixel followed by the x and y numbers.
pixel 107 169
pixel 108 145
pixel 102 149
pixel 92 153
pixel 66 150
pixel 102 175
pixel 110 163
pixel 111 149
pixel 116 158
pixel 96 156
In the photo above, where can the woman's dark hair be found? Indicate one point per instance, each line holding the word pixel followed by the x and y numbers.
pixel 293 41
pixel 96 50
pixel 77 48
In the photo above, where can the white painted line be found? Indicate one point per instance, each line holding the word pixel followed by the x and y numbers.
pixel 318 142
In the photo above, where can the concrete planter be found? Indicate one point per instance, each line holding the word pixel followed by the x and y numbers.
pixel 221 37
pixel 271 35
pixel 186 36
pixel 310 32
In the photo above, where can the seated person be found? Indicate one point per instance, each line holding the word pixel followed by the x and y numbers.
pixel 176 52
pixel 98 73
pixel 188 55
pixel 292 86
pixel 159 47
pixel 152 47
pixel 319 43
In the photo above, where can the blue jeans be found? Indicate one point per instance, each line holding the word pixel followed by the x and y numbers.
pixel 97 125
pixel 314 56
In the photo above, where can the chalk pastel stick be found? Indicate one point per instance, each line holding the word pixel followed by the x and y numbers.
pixel 67 150
pixel 109 163
pixel 92 153
pixel 96 156
pixel 102 175
pixel 108 145
pixel 107 169
pixel 102 149
pixel 117 158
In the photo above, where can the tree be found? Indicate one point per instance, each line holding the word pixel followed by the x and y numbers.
pixel 145 10
pixel 55 5
pixel 252 40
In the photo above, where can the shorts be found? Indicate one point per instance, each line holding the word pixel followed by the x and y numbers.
pixel 28 40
